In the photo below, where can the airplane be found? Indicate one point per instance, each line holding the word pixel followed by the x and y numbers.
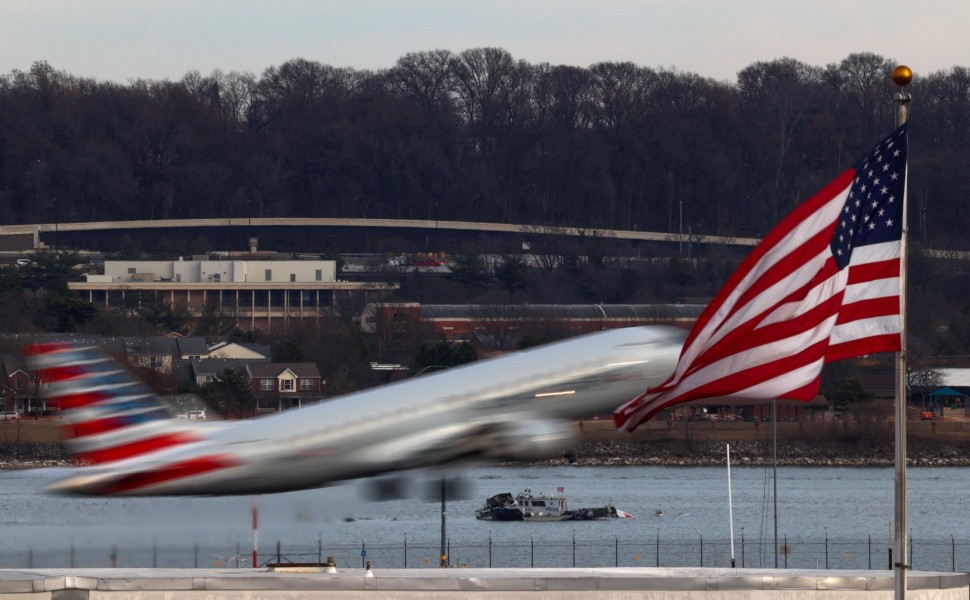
pixel 520 406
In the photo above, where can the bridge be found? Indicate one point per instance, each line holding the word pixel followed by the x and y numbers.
pixel 32 236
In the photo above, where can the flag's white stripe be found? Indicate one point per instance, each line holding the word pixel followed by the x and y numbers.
pixel 109 408
pixel 875 253
pixel 90 416
pixel 880 288
pixel 864 328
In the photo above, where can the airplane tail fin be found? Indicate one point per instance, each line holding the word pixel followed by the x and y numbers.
pixel 109 415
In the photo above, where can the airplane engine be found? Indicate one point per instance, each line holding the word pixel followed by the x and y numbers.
pixel 534 439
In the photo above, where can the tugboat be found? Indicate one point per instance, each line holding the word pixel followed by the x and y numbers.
pixel 527 506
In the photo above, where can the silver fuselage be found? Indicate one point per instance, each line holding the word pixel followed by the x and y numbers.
pixel 465 412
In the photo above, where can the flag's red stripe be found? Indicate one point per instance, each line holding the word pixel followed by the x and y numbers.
pixel 136 448
pixel 48 348
pixel 804 393
pixel 866 309
pixel 888 342
pixel 179 470
pixel 864 273
pixel 69 401
pixel 61 373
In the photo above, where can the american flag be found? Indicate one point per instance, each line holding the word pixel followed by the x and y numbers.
pixel 823 285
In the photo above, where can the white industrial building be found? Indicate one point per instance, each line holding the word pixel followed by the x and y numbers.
pixel 263 294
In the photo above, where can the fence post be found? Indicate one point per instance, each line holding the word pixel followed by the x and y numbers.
pixel 658 546
pixel 574 548
pixel 405 551
pixel 155 553
pixel 320 547
pixel 869 551
pixel 953 552
pixel 489 548
pixel 787 550
pixel 702 551
pixel 532 552
pixel 278 560
pixel 826 547
pixel 616 551
pixel 742 547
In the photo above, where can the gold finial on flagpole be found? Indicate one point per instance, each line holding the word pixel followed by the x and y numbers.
pixel 902 75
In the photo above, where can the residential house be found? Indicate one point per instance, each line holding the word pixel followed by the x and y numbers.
pixel 279 386
pixel 18 387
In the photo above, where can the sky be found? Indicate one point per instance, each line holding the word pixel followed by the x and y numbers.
pixel 122 40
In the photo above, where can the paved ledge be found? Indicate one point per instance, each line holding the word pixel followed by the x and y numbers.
pixel 579 584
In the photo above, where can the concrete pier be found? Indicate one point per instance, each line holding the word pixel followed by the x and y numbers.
pixel 444 584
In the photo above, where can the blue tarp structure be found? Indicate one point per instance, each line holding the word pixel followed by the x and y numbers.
pixel 947 391
pixel 948 396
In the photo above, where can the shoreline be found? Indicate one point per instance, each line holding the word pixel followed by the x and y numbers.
pixel 798 453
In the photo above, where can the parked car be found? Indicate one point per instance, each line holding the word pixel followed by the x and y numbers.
pixel 193 415
pixel 9 415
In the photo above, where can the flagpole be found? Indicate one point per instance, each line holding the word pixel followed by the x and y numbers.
pixel 901 77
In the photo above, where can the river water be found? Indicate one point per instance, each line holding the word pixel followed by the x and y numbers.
pixel 839 517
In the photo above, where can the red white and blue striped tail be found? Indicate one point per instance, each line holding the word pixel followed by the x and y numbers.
pixel 109 415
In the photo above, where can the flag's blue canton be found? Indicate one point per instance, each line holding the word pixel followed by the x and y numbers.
pixel 873 211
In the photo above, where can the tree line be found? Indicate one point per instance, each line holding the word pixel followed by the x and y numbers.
pixel 475 135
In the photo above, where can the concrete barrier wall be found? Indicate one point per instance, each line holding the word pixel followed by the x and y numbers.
pixel 407 584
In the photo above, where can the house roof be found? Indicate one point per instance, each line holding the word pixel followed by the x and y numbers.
pixel 214 366
pixel 265 370
pixel 192 346
pixel 150 345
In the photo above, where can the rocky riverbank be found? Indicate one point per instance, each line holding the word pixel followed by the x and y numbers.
pixel 792 453
pixel 32 456
pixel 660 453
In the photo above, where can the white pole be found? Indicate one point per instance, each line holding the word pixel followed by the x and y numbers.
pixel 255 534
pixel 901 76
pixel 730 505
